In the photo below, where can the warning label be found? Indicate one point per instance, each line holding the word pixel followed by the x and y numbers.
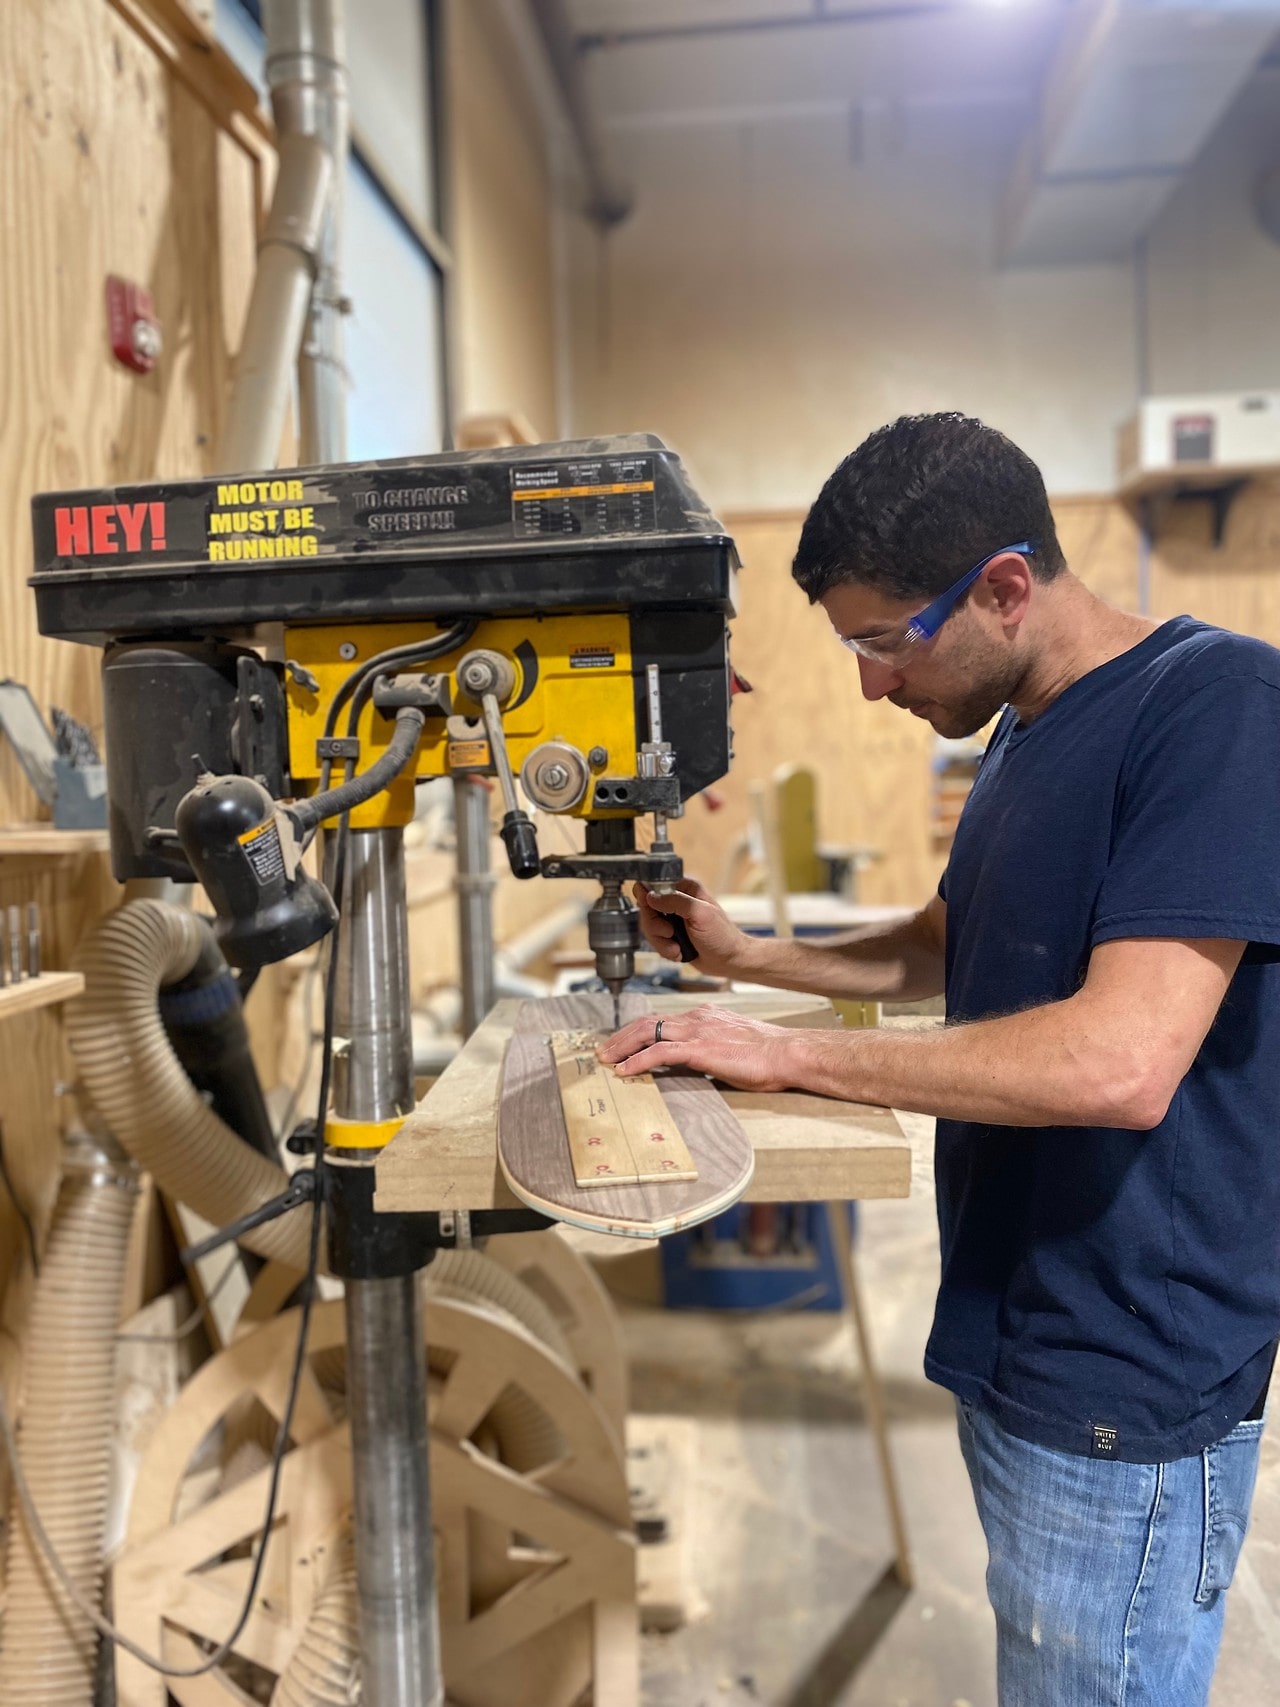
pixel 263 851
pixel 591 658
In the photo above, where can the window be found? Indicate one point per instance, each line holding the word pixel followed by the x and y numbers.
pixel 393 258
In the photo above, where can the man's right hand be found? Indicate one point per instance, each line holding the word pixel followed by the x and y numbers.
pixel 722 950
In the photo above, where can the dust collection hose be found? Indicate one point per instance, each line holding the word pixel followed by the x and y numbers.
pixel 48 1654
pixel 141 1089
pixel 324 1668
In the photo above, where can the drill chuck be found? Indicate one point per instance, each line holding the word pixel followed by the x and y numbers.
pixel 613 935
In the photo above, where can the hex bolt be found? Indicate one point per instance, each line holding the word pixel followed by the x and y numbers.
pixel 553 777
pixel 597 758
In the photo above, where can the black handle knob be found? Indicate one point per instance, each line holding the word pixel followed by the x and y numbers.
pixel 683 941
pixel 521 840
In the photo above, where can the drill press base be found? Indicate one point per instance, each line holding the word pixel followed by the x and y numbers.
pixel 533 1146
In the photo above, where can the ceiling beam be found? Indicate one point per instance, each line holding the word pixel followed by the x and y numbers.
pixel 912 11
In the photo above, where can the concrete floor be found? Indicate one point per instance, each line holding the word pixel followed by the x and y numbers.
pixel 791 1544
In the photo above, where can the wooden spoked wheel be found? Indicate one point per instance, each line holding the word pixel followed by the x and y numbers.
pixel 535 1555
pixel 574 1293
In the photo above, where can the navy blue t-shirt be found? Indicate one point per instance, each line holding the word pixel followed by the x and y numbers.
pixel 1093 1279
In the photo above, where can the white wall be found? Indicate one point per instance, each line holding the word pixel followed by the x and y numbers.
pixel 783 288
pixel 1213 291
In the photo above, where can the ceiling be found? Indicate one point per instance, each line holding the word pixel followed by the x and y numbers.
pixel 706 62
pixel 1090 109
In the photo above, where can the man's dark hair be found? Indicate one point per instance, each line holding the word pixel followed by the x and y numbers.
pixel 918 503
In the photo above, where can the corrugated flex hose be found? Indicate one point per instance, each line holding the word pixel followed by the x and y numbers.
pixel 47 1654
pixel 141 1090
pixel 324 1668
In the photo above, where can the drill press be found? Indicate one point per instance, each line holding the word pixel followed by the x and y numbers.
pixel 287 650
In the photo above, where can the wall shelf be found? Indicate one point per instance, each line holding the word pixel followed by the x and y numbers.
pixel 41 992
pixel 43 839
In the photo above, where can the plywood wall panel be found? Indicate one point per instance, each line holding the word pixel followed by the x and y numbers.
pixel 1236 584
pixel 872 761
pixel 109 162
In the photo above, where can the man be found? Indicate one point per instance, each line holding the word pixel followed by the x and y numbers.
pixel 1107 1086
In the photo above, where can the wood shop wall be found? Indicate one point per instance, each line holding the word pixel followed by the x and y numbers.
pixel 1034 212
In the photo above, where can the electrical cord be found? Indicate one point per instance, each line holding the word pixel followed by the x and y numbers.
pixel 193 1321
pixel 103 1626
pixel 421 651
pixel 447 641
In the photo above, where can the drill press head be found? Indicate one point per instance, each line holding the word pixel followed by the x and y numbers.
pixel 593 583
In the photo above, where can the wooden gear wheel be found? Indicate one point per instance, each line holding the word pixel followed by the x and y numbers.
pixel 551 1269
pixel 535 1554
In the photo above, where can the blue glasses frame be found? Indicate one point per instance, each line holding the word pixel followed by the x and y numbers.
pixel 926 623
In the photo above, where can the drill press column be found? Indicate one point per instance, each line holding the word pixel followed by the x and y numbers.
pixel 386 1360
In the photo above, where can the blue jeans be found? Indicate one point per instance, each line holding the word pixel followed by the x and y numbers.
pixel 1108 1581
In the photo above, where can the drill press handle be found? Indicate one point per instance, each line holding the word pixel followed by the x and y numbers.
pixel 683 941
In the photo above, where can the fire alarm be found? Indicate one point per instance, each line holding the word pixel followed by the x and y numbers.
pixel 132 324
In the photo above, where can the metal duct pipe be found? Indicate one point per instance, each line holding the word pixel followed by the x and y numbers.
pixel 47 1657
pixel 306 74
pixel 536 939
pixel 277 314
pixel 446 1008
pixel 609 197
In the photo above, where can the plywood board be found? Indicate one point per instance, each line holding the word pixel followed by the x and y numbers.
pixel 533 1144
pixel 808 1148
pixel 621 1132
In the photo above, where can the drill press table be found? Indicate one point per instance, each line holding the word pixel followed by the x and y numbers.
pixel 808 1148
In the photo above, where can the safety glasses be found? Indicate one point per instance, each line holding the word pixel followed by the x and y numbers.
pixel 897 644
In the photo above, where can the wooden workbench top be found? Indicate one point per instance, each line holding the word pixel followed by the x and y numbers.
pixel 809 1149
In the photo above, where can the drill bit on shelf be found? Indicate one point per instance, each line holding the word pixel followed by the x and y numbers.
pixel 33 940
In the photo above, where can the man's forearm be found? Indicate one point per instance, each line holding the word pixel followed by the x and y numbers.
pixel 1050 1066
pixel 897 962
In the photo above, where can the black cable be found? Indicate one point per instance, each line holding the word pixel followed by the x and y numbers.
pixel 423 650
pixel 18 1205
pixel 355 790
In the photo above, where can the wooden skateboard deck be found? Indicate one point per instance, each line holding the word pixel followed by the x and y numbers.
pixel 534 1148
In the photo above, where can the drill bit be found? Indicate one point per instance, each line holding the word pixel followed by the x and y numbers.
pixel 617 1011
pixel 33 940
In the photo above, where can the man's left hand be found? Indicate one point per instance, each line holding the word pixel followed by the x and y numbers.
pixel 740 1051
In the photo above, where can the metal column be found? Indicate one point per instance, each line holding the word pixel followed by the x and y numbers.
pixel 386 1359
pixel 474 883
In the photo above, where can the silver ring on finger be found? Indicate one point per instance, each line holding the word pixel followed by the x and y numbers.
pixel 657 1031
